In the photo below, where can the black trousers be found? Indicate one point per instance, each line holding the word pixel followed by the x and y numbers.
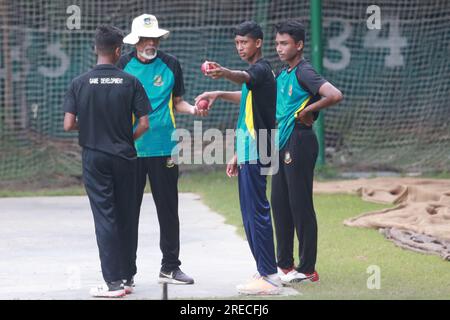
pixel 110 183
pixel 163 177
pixel 292 201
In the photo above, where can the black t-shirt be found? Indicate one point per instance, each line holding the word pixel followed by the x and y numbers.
pixel 264 87
pixel 104 100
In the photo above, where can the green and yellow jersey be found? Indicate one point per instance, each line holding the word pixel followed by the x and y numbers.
pixel 296 89
pixel 257 112
pixel 162 79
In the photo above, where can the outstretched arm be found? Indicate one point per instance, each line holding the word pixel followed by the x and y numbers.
pixel 217 71
pixel 212 96
pixel 183 106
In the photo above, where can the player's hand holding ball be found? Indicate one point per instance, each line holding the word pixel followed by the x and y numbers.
pixel 213 70
pixel 205 67
pixel 205 100
pixel 201 107
pixel 203 104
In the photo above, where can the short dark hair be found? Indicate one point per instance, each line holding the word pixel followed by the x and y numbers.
pixel 250 29
pixel 107 39
pixel 294 28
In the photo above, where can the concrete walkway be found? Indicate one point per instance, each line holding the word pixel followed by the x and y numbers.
pixel 48 251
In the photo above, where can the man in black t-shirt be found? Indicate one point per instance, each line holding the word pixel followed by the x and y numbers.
pixel 257 100
pixel 101 104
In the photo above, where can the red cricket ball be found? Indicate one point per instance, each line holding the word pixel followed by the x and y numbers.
pixel 205 67
pixel 203 104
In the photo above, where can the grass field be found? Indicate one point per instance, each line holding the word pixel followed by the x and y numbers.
pixel 344 253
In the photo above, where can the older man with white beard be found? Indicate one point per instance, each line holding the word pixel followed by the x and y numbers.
pixel 162 78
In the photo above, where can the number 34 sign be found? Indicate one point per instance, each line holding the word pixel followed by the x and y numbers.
pixel 371 40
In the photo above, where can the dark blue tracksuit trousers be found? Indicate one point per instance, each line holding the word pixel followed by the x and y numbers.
pixel 256 217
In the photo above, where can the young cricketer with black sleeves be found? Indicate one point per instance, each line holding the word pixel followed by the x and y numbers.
pixel 301 94
pixel 257 100
pixel 101 104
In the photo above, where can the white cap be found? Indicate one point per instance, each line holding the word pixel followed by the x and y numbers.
pixel 146 25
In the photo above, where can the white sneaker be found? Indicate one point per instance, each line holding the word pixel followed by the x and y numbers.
pixel 107 291
pixel 275 278
pixel 294 276
pixel 260 286
pixel 256 276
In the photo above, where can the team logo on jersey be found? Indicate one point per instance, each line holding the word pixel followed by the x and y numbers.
pixel 287 157
pixel 170 163
pixel 158 81
pixel 290 90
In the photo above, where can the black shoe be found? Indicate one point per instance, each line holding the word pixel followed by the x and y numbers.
pixel 175 276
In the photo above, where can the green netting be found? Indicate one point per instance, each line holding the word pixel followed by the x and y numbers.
pixel 395 80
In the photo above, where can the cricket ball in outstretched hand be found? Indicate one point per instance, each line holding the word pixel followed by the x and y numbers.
pixel 205 67
pixel 203 104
